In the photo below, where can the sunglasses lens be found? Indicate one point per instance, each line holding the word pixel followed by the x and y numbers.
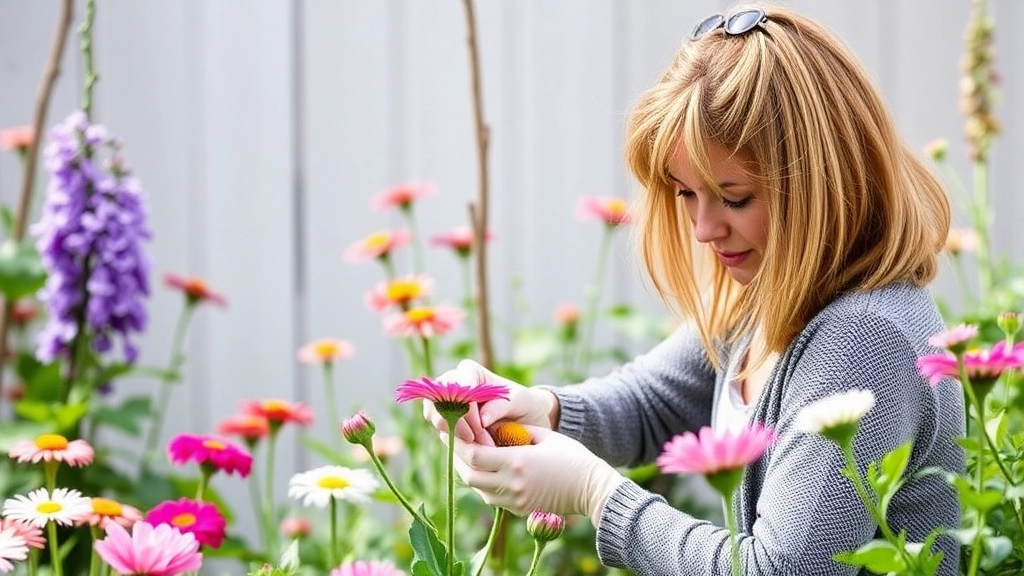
pixel 744 21
pixel 707 25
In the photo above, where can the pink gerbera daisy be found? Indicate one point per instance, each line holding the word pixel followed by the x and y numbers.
pixel 201 519
pixel 399 292
pixel 367 568
pixel 612 211
pixel 279 412
pixel 53 448
pixel 449 398
pixel 195 289
pixel 423 321
pixel 326 351
pixel 711 452
pixel 12 547
pixel 17 138
pixel 250 427
pixel 460 239
pixel 105 511
pixel 403 195
pixel 955 339
pixel 209 452
pixel 983 367
pixel 377 245
pixel 32 534
pixel 149 550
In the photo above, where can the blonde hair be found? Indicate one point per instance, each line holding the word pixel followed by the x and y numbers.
pixel 851 206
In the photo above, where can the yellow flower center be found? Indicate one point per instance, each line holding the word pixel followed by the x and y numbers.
pixel 617 206
pixel 402 290
pixel 183 520
pixel 332 482
pixel 325 349
pixel 214 444
pixel 51 442
pixel 512 434
pixel 106 507
pixel 275 406
pixel 378 240
pixel 49 507
pixel 418 315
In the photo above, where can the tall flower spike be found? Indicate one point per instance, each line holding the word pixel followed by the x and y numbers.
pixel 90 238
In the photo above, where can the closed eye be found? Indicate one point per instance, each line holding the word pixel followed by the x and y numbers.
pixel 737 204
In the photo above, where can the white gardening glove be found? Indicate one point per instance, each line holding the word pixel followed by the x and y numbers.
pixel 524 405
pixel 554 474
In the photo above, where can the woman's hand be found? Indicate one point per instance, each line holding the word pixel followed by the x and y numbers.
pixel 554 474
pixel 524 405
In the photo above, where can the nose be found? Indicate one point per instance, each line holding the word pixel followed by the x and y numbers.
pixel 708 224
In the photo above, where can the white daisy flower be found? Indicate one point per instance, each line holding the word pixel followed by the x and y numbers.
pixel 12 547
pixel 837 410
pixel 316 487
pixel 64 507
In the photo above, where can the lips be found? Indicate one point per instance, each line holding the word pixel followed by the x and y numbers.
pixel 732 258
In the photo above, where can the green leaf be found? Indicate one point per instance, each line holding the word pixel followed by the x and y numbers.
pixel 890 476
pixel 21 270
pixel 996 549
pixel 125 417
pixel 877 556
pixel 428 548
pixel 329 453
pixel 13 432
pixel 42 381
pixel 7 220
pixel 972 499
pixel 68 415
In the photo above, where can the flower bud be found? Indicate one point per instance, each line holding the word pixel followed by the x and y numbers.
pixel 295 527
pixel 1009 323
pixel 359 429
pixel 545 526
pixel 937 149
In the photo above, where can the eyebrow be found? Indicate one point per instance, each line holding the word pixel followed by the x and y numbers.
pixel 723 185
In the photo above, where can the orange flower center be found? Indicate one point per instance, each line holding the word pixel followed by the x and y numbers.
pixel 378 240
pixel 196 287
pixel 332 483
pixel 106 507
pixel 184 520
pixel 419 315
pixel 512 434
pixel 276 409
pixel 51 442
pixel 214 444
pixel 617 207
pixel 403 290
pixel 325 349
pixel 49 507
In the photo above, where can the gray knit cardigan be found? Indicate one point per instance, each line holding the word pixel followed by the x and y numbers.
pixel 795 509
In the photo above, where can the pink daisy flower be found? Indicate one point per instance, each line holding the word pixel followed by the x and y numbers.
pixel 423 321
pixel 149 550
pixel 249 427
pixel 295 527
pixel 983 367
pixel 954 337
pixel 367 568
pixel 449 397
pixel 53 448
pixel 33 535
pixel 376 245
pixel 106 511
pixel 326 351
pixel 17 138
pixel 399 292
pixel 612 211
pixel 209 451
pixel 201 519
pixel 279 412
pixel 567 314
pixel 460 239
pixel 403 195
pixel 12 547
pixel 195 289
pixel 710 452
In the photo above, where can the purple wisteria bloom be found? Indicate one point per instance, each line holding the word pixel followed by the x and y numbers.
pixel 90 239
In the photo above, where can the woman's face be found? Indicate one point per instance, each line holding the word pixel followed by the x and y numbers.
pixel 735 225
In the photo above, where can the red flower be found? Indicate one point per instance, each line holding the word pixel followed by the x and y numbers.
pixel 195 289
pixel 251 428
pixel 278 412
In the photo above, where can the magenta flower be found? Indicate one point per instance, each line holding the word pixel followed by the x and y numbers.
pixel 53 448
pixel 403 195
pixel 710 452
pixel 983 367
pixel 423 321
pixel 460 239
pixel 209 451
pixel 449 393
pixel 954 339
pixel 364 568
pixel 612 211
pixel 376 245
pixel 149 550
pixel 201 519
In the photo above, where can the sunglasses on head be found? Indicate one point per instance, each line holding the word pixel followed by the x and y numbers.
pixel 739 23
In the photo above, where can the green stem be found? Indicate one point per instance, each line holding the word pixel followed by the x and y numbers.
pixel 730 521
pixel 982 436
pixel 467 299
pixel 50 471
pixel 499 515
pixel 869 502
pixel 85 30
pixel 33 562
pixel 333 544
pixel 254 497
pixel 55 563
pixel 268 490
pixel 981 222
pixel 538 547
pixel 451 496
pixel 428 364
pixel 332 404
pixel 593 296
pixel 94 561
pixel 204 480
pixel 961 278
pixel 417 246
pixel 173 365
pixel 394 489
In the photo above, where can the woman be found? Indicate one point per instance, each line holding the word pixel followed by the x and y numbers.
pixel 791 228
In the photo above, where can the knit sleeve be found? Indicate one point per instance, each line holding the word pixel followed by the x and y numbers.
pixel 626 416
pixel 805 510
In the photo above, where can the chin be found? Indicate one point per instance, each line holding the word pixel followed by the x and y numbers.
pixel 741 276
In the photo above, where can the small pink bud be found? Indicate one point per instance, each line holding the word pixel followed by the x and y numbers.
pixel 295 527
pixel 545 526
pixel 359 429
